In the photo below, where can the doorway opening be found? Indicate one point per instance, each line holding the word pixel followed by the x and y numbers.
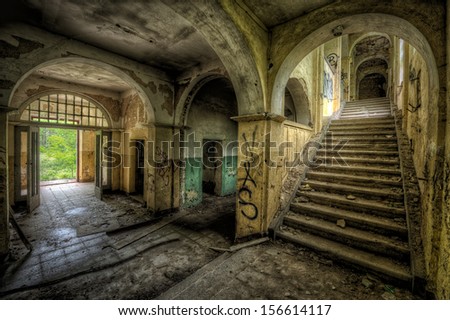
pixel 212 167
pixel 58 155
pixel 140 165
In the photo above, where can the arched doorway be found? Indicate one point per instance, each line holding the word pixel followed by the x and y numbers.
pixel 62 116
pixel 91 96
pixel 211 155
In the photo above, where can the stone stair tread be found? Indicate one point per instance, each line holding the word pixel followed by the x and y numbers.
pixel 382 106
pixel 352 145
pixel 348 233
pixel 365 111
pixel 365 139
pixel 384 120
pixel 373 116
pixel 359 127
pixel 375 104
pixel 351 189
pixel 366 204
pixel 348 254
pixel 317 175
pixel 365 160
pixel 373 152
pixel 364 133
pixel 369 169
pixel 351 216
pixel 381 101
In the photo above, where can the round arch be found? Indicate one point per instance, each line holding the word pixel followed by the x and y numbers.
pixel 96 63
pixel 35 97
pixel 367 35
pixel 381 57
pixel 297 89
pixel 359 23
pixel 185 102
pixel 228 44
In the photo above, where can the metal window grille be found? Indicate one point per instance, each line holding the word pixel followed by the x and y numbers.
pixel 65 109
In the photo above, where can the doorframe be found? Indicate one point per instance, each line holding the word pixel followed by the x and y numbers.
pixel 32 198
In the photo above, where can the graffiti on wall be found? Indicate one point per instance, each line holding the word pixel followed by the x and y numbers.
pixel 163 167
pixel 248 185
pixel 327 86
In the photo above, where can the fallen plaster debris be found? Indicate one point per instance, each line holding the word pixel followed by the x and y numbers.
pixel 241 245
pixel 131 238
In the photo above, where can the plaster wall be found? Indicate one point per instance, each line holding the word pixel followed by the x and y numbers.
pixel 200 120
pixel 295 136
pixel 135 124
pixel 86 155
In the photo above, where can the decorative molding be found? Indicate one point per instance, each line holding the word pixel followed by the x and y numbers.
pixel 259 117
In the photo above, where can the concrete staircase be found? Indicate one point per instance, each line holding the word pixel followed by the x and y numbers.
pixel 351 206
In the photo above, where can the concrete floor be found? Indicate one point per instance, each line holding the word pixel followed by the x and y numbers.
pixel 74 257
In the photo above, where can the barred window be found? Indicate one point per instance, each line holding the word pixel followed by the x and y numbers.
pixel 64 108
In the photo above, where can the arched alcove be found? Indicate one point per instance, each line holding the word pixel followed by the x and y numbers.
pixel 210 154
pixel 372 86
pixel 299 99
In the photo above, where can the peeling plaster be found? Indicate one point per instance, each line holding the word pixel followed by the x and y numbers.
pixel 25 46
pixel 167 93
pixel 152 86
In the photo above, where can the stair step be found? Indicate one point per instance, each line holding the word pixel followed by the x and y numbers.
pixel 371 116
pixel 365 192
pixel 352 160
pixel 354 180
pixel 370 100
pixel 383 266
pixel 365 139
pixel 358 152
pixel 360 169
pixel 375 106
pixel 355 127
pixel 350 236
pixel 364 133
pixel 376 207
pixel 360 220
pixel 370 146
pixel 369 104
pixel 364 121
pixel 364 111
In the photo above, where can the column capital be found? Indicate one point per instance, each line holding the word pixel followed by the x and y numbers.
pixel 259 117
pixel 164 125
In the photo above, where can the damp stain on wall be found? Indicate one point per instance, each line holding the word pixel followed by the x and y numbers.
pixel 24 46
pixel 167 94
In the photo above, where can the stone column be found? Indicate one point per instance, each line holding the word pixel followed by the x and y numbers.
pixel 345 68
pixel 259 174
pixel 163 169
pixel 4 199
pixel 405 90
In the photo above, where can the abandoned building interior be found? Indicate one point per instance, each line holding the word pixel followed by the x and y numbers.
pixel 289 136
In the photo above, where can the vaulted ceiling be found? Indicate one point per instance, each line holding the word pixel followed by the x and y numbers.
pixel 147 31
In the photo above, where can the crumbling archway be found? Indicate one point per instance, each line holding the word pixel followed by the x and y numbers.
pixel 359 23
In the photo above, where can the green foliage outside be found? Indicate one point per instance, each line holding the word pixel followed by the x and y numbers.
pixel 58 154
